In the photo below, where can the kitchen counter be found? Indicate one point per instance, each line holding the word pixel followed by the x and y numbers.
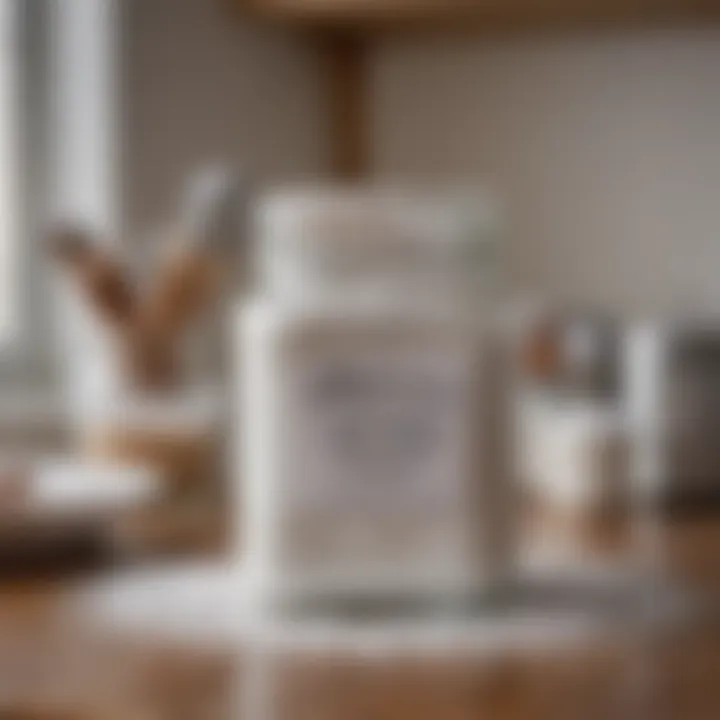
pixel 55 664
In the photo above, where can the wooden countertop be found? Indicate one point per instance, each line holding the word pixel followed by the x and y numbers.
pixel 53 666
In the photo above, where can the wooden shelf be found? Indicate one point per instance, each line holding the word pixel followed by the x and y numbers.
pixel 341 30
pixel 342 61
pixel 366 15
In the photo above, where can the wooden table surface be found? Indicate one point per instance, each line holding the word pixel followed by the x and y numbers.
pixel 53 666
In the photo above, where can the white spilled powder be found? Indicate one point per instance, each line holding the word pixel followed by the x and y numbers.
pixel 209 604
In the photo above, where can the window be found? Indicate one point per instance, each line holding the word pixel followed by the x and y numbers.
pixel 9 146
pixel 56 160
pixel 24 307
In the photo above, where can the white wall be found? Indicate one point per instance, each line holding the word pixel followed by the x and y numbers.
pixel 202 83
pixel 605 149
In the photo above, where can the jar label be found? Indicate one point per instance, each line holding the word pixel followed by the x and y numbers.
pixel 377 448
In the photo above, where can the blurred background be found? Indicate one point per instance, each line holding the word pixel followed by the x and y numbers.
pixel 138 139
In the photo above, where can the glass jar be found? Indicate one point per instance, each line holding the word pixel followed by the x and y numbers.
pixel 373 426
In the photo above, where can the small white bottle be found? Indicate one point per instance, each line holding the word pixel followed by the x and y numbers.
pixel 373 424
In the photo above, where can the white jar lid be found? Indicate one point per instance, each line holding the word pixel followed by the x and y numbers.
pixel 341 237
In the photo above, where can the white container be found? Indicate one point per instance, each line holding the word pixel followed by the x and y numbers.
pixel 372 386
